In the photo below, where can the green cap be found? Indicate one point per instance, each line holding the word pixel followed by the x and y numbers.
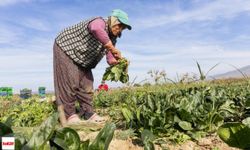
pixel 122 17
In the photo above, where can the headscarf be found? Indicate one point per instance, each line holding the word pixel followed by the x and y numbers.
pixel 112 21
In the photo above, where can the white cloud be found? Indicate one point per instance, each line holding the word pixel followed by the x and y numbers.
pixel 35 23
pixel 241 38
pixel 208 12
pixel 183 59
pixel 25 62
pixel 11 2
pixel 8 35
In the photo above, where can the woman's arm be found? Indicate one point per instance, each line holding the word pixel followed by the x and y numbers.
pixel 97 28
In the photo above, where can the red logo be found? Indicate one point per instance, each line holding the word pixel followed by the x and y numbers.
pixel 8 143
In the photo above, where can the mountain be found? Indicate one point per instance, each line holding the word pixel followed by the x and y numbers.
pixel 235 73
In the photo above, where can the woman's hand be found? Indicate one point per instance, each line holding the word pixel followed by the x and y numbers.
pixel 117 54
pixel 110 47
pixel 111 59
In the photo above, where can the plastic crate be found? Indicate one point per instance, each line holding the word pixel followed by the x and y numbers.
pixel 42 92
pixel 25 93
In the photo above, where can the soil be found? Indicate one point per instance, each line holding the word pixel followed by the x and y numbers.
pixel 207 143
pixel 212 142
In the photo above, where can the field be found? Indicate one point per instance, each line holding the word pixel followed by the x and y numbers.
pixel 160 116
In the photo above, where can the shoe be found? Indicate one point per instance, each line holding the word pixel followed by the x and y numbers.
pixel 96 119
pixel 73 119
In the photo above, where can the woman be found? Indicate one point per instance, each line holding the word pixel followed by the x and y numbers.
pixel 77 50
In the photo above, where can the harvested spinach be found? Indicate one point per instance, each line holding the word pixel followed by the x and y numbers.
pixel 118 72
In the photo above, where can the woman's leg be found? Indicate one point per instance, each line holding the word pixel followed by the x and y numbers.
pixel 85 96
pixel 62 117
pixel 85 93
pixel 66 79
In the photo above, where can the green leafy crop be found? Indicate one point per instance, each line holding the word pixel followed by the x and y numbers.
pixel 118 72
pixel 48 136
pixel 235 134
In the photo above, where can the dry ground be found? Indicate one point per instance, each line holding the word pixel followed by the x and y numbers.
pixel 212 142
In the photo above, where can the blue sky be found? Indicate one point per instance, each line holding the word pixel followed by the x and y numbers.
pixel 167 35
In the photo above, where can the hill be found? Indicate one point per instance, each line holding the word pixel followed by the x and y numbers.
pixel 237 73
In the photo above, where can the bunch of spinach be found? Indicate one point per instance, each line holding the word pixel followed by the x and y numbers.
pixel 118 72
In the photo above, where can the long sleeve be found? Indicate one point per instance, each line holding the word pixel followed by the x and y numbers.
pixel 110 58
pixel 97 28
